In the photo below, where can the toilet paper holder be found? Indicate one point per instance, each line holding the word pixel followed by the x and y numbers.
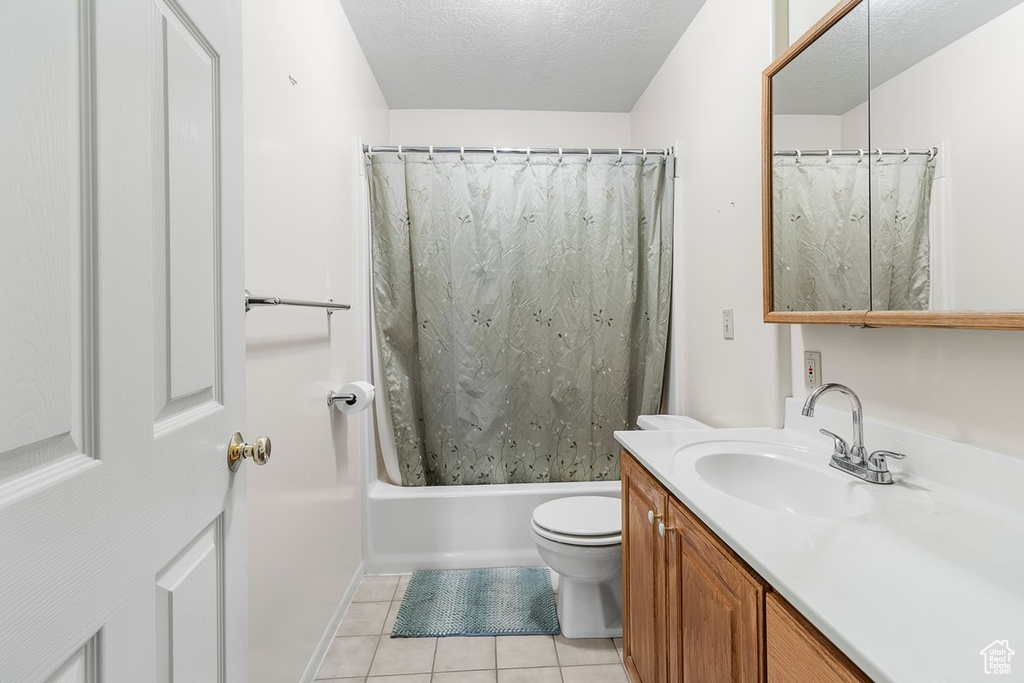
pixel 335 396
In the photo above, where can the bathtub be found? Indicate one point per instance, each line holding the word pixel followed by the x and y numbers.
pixel 458 527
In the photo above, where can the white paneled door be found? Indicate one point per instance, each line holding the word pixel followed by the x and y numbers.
pixel 121 342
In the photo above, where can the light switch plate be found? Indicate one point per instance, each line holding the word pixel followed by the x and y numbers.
pixel 727 329
pixel 812 369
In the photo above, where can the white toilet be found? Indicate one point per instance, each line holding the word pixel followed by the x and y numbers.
pixel 580 538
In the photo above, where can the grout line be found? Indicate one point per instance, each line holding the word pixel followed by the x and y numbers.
pixel 373 658
pixel 433 660
pixel 376 647
pixel 558 659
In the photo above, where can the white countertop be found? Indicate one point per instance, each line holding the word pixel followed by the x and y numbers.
pixel 911 590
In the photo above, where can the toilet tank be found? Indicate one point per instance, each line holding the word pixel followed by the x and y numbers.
pixel 668 422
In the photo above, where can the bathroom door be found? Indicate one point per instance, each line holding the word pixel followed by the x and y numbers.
pixel 121 342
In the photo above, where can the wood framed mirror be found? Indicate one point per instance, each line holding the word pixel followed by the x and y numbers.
pixel 907 217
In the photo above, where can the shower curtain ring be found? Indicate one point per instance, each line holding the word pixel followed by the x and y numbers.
pixel 559 155
pixel 430 152
pixel 797 155
pixel 879 150
pixel 643 157
pixel 590 154
pixel 829 157
pixel 495 153
pixel 620 156
pixel 462 153
pixel 527 155
pixel 932 153
pixel 906 155
pixel 860 152
pixel 399 152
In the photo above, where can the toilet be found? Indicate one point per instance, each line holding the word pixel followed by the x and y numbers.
pixel 580 539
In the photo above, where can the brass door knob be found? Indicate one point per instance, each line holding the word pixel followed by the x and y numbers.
pixel 238 449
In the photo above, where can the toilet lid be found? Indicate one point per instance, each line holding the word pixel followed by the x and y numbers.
pixel 581 516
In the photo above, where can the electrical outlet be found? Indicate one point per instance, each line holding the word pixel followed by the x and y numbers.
pixel 727 329
pixel 812 369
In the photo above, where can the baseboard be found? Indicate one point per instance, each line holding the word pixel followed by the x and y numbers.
pixel 406 563
pixel 325 640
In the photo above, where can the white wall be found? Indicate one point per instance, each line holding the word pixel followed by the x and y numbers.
pixel 475 127
pixel 964 384
pixel 854 127
pixel 806 131
pixel 708 96
pixel 302 229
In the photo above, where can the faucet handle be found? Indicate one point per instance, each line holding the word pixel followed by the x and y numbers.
pixel 841 447
pixel 877 460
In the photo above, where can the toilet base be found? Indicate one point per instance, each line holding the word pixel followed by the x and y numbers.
pixel 588 609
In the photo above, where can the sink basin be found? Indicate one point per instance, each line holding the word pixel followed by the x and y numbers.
pixel 777 477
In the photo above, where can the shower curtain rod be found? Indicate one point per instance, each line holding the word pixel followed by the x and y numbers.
pixel 561 151
pixel 931 152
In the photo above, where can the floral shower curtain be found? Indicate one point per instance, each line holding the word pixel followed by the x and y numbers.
pixel 828 256
pixel 522 306
pixel 901 195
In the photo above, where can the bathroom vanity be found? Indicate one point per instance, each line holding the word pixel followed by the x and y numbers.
pixel 695 611
pixel 747 558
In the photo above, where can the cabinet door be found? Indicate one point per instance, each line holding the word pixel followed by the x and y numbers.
pixel 716 608
pixel 643 569
pixel 799 653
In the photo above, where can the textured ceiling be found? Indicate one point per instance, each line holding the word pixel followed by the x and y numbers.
pixel 555 55
pixel 830 77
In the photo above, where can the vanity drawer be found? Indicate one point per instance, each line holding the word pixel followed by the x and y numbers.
pixel 799 653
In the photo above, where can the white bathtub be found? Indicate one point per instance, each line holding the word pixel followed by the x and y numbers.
pixel 453 527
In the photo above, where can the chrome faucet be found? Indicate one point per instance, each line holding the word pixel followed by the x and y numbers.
pixel 853 459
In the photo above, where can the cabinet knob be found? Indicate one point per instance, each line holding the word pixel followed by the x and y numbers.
pixel 651 516
pixel 662 529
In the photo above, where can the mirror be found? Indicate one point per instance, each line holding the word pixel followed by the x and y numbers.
pixel 820 229
pixel 906 218
pixel 948 76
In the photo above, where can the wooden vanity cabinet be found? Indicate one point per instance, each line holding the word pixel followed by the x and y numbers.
pixel 800 653
pixel 691 611
pixel 643 560
pixel 694 612
pixel 715 607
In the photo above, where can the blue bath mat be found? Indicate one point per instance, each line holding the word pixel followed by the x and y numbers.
pixel 503 601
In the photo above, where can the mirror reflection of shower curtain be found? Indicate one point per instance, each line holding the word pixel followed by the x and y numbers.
pixel 820 233
pixel 901 192
pixel 826 255
pixel 522 306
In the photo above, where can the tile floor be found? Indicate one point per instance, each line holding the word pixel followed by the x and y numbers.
pixel 364 652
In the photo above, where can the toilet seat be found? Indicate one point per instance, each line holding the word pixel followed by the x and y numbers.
pixel 569 539
pixel 580 520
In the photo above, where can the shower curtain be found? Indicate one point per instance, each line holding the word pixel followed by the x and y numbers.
pixel 901 195
pixel 828 255
pixel 522 306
